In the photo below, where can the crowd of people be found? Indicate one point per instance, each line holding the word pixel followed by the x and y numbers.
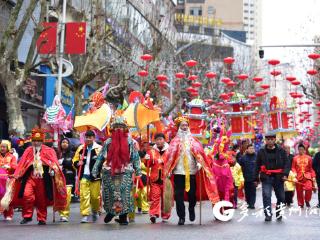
pixel 124 175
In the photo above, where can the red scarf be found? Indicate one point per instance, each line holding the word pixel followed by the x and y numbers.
pixel 118 152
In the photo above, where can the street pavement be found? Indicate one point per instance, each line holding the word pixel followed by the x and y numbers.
pixel 306 226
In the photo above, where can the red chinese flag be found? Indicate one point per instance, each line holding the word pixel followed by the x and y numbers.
pixel 47 41
pixel 75 38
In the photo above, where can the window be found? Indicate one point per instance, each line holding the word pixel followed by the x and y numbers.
pixel 251 11
pixel 211 11
pixel 195 11
pixel 245 11
pixel 245 18
pixel 180 1
pixel 246 4
pixel 251 25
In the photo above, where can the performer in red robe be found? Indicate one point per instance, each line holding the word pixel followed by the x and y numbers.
pixel 38 182
pixel 8 164
pixel 302 167
pixel 185 158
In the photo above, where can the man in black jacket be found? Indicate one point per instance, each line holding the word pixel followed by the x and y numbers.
pixel 273 167
pixel 316 168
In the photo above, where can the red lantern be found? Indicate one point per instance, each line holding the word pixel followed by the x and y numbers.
pixel 191 89
pixel 196 84
pixel 242 77
pixel 211 75
pixel 224 96
pixel 265 86
pixel 231 94
pixel 163 84
pixel 260 94
pixel 318 105
pixel 256 104
pixel 180 75
pixel 290 78
pixel 193 77
pixel 299 95
pixel 308 102
pixel 300 103
pixel 257 79
pixel 226 80
pixel 191 63
pixel 231 84
pixel 228 60
pixel 273 62
pixel 252 97
pixel 143 73
pixel 194 94
pixel 220 104
pixel 312 72
pixel 275 73
pixel 209 101
pixel 296 82
pixel 314 56
pixel 146 57
pixel 162 77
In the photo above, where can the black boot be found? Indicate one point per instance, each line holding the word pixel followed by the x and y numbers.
pixel 108 218
pixel 25 220
pixel 122 219
pixel 181 221
pixel 268 218
pixel 41 223
pixel 192 215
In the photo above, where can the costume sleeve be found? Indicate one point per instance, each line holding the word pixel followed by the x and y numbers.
pixel 313 174
pixel 294 165
pixel 100 159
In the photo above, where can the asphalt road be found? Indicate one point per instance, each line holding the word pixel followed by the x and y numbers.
pixel 306 226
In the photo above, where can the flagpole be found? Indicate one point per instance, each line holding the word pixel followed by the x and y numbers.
pixel 61 50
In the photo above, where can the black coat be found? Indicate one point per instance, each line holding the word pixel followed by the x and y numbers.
pixel 281 162
pixel 67 167
pixel 248 165
pixel 316 163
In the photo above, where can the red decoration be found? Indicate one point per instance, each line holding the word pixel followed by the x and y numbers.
pixel 180 75
pixel 146 57
pixel 273 62
pixel 228 60
pixel 290 78
pixel 47 41
pixel 211 74
pixel 163 84
pixel 257 79
pixel 162 77
pixel 143 73
pixel 256 104
pixel 318 105
pixel 224 96
pixel 300 103
pixel 265 86
pixel 191 63
pixel 75 38
pixel 242 77
pixel 312 72
pixel 296 83
pixel 193 77
pixel 209 101
pixel 231 84
pixel 308 102
pixel 191 89
pixel 260 94
pixel 314 56
pixel 252 97
pixel 226 80
pixel 194 94
pixel 196 84
pixel 275 73
pixel 231 94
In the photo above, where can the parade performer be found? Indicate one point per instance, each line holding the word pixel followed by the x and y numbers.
pixel 238 180
pixel 185 157
pixel 118 161
pixel 273 167
pixel 38 181
pixel 156 158
pixel 221 158
pixel 8 164
pixel 65 160
pixel 302 167
pixel 84 160
pixel 289 187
